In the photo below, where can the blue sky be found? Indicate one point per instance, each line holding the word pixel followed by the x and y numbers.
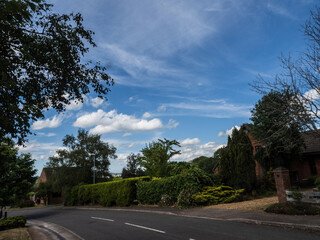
pixel 181 68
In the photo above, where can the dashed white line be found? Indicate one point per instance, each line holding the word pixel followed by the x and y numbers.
pixel 151 229
pixel 104 219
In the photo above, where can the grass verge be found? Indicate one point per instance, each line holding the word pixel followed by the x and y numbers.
pixel 15 234
pixel 294 208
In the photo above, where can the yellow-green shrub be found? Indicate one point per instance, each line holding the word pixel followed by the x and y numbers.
pixel 216 195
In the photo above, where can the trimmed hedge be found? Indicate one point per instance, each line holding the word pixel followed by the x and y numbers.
pixel 26 203
pixel 12 222
pixel 216 195
pixel 151 192
pixel 294 208
pixel 115 193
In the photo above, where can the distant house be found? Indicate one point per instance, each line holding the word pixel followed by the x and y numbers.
pixel 307 166
pixel 55 197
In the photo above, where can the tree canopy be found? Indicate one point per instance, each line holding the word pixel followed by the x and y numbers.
pixel 74 164
pixel 300 80
pixel 275 126
pixel 17 174
pixel 155 156
pixel 237 167
pixel 133 168
pixel 41 64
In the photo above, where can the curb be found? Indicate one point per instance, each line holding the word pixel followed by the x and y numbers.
pixel 40 230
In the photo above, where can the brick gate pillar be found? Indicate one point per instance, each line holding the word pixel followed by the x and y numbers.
pixel 282 179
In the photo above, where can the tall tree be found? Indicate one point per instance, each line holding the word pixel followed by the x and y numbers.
pixel 275 126
pixel 300 79
pixel 74 164
pixel 237 167
pixel 156 156
pixel 133 168
pixel 17 174
pixel 41 64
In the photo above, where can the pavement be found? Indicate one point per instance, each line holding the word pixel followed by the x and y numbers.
pixel 49 231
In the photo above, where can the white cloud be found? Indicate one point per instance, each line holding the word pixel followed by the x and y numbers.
pixel 96 102
pixel 46 134
pixel 127 134
pixel 228 132
pixel 276 9
pixel 74 105
pixel 131 99
pixel 312 95
pixel 190 141
pixel 172 124
pixel 146 115
pixel 55 122
pixel 114 122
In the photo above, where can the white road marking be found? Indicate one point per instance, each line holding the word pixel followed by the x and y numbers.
pixel 105 219
pixel 151 229
pixel 191 239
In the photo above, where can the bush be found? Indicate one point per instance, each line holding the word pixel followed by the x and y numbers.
pixel 294 208
pixel 26 203
pixel 151 192
pixel 115 193
pixel 307 183
pixel 166 201
pixel 216 195
pixel 71 198
pixel 185 199
pixel 12 222
pixel 317 182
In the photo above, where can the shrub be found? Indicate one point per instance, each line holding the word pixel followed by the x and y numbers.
pixel 216 195
pixel 294 208
pixel 26 203
pixel 185 199
pixel 71 198
pixel 115 193
pixel 151 192
pixel 12 222
pixel 317 182
pixel 166 201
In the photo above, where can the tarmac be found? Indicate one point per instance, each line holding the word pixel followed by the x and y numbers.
pixel 45 231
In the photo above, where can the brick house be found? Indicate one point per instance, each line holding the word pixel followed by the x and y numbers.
pixel 55 197
pixel 307 166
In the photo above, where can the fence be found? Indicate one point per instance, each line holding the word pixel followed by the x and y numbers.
pixel 309 197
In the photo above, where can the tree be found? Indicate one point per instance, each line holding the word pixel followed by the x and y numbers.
pixel 272 126
pixel 237 167
pixel 41 64
pixel 74 164
pixel 300 79
pixel 156 156
pixel 175 168
pixel 132 169
pixel 205 163
pixel 16 174
pixel 43 190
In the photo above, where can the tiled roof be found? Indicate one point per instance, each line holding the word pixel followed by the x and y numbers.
pixel 312 142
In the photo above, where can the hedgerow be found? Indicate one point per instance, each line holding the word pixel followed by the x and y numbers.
pixel 12 222
pixel 115 193
pixel 151 192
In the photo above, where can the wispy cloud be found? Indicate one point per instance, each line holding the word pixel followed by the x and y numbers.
pixel 228 132
pixel 55 122
pixel 279 10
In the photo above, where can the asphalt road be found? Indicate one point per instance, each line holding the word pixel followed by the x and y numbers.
pixel 113 224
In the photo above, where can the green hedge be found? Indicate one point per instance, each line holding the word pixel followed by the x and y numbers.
pixel 115 193
pixel 216 195
pixel 151 192
pixel 12 222
pixel 294 208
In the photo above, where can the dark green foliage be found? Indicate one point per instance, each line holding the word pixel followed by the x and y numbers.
pixel 193 180
pixel 26 203
pixel 275 126
pixel 16 174
pixel 155 157
pixel 166 201
pixel 185 199
pixel 132 169
pixel 207 163
pixel 294 208
pixel 49 71
pixel 237 167
pixel 175 168
pixel 74 164
pixel 317 182
pixel 216 195
pixel 12 222
pixel 43 191
pixel 115 193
